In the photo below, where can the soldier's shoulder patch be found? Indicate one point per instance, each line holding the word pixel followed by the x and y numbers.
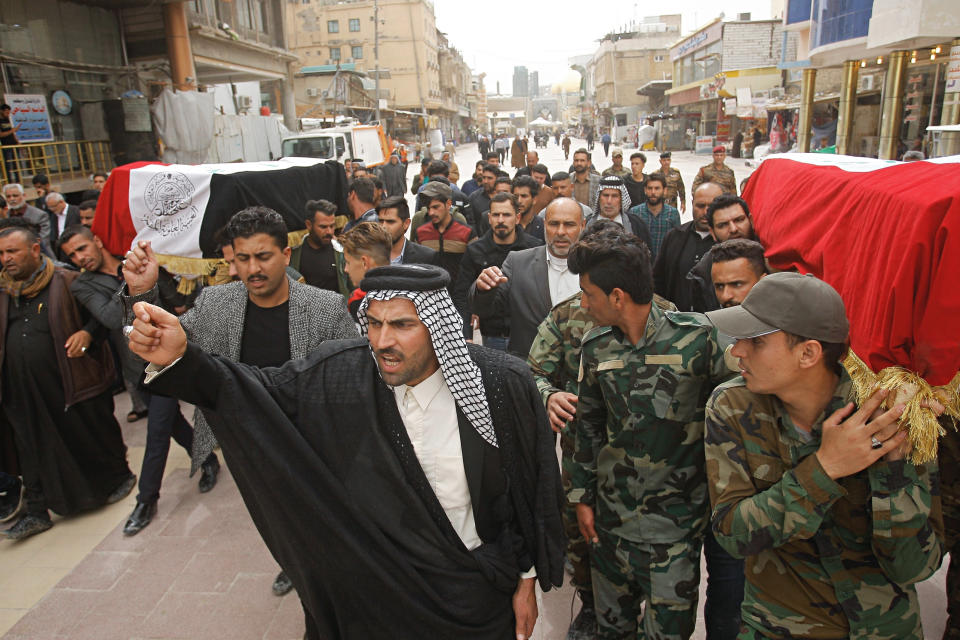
pixel 663 303
pixel 595 333
pixel 687 319
pixel 733 393
pixel 570 302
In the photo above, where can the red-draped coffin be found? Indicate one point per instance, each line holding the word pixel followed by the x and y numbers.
pixel 886 236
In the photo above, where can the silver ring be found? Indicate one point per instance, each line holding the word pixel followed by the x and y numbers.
pixel 874 443
pixel 127 330
pixel 83 348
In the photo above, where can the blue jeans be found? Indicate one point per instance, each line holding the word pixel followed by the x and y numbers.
pixel 10 160
pixel 495 342
pixel 725 579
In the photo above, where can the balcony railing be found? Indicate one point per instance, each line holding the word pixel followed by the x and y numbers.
pixel 61 161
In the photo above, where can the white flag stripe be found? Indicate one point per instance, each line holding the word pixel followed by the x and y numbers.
pixel 847 163
pixel 167 203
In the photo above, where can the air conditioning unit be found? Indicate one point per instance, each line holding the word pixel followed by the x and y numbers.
pixel 866 83
pixel 312 92
pixel 244 102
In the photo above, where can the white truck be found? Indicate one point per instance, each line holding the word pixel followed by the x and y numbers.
pixel 365 142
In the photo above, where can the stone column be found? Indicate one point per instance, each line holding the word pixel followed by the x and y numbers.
pixel 289 104
pixel 804 127
pixel 891 115
pixel 182 71
pixel 848 102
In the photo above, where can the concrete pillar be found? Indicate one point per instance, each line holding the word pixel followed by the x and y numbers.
pixel 891 115
pixel 950 114
pixel 289 105
pixel 848 102
pixel 182 71
pixel 805 126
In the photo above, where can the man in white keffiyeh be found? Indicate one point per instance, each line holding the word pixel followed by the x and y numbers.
pixel 422 480
pixel 435 309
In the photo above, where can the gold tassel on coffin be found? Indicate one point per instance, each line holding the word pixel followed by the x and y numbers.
pixel 212 271
pixel 911 389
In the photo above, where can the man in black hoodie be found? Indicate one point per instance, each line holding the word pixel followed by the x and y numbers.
pixel 491 249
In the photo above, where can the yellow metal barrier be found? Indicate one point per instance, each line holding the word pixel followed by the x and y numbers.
pixel 60 161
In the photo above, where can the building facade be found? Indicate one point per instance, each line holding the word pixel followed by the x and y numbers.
pixel 897 65
pixel 521 82
pixel 625 61
pixel 723 75
pixel 457 116
pixel 97 65
pixel 331 33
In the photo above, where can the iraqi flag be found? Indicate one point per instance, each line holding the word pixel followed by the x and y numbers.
pixel 179 208
pixel 886 236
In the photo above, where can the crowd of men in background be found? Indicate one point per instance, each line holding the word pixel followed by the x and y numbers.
pixel 592 279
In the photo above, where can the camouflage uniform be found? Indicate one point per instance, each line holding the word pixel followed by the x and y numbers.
pixel 555 361
pixel 675 192
pixel 949 463
pixel 824 558
pixel 638 461
pixel 722 176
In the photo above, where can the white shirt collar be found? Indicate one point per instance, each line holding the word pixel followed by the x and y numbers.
pixel 425 391
pixel 559 264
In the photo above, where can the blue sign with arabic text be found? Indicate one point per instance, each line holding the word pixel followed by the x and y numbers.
pixel 30 113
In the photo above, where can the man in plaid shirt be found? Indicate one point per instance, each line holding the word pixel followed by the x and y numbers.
pixel 659 216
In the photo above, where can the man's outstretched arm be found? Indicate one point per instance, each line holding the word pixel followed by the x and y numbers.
pixel 156 336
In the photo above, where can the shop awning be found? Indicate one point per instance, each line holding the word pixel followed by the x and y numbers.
pixel 781 105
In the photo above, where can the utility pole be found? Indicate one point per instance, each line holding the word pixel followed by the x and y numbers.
pixel 376 54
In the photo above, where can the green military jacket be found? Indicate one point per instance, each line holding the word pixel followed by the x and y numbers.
pixel 722 176
pixel 824 558
pixel 638 458
pixel 622 173
pixel 675 192
pixel 555 353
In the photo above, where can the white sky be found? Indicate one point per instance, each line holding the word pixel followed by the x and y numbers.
pixel 496 35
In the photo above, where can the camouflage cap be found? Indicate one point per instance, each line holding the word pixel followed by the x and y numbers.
pixel 437 190
pixel 799 304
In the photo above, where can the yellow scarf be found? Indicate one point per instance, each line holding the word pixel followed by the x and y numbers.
pixel 31 286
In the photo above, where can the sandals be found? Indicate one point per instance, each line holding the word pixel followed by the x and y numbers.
pixel 133 416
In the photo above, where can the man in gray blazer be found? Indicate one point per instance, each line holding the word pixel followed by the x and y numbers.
pixel 265 319
pixel 531 281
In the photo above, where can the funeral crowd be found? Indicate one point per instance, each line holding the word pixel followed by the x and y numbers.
pixel 406 478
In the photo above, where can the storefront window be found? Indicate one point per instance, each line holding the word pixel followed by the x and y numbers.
pixel 918 99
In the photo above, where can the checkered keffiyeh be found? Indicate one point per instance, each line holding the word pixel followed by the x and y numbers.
pixel 460 372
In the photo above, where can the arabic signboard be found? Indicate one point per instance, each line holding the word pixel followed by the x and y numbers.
pixel 953 71
pixel 697 41
pixel 31 114
pixel 704 144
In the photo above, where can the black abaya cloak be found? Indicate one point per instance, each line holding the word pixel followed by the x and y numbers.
pixel 325 466
pixel 73 457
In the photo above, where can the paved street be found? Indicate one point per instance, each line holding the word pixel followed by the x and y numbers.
pixel 200 570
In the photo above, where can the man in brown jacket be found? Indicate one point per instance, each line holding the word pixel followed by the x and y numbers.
pixel 56 386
